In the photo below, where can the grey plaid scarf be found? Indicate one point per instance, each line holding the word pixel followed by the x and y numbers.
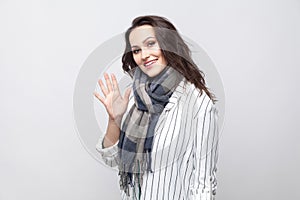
pixel 136 138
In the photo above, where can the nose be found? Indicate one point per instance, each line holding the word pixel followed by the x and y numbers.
pixel 145 54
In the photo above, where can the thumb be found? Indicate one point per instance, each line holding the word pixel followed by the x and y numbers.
pixel 127 93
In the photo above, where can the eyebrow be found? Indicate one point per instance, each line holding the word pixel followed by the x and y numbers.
pixel 143 41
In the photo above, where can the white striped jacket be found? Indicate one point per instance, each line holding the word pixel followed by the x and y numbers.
pixel 185 149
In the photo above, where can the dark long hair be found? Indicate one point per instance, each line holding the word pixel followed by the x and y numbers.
pixel 174 49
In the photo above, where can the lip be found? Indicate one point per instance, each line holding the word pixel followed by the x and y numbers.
pixel 149 63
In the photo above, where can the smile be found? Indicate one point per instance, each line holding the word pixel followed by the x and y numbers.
pixel 149 63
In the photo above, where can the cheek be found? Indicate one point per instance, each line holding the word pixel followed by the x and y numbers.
pixel 163 60
pixel 136 58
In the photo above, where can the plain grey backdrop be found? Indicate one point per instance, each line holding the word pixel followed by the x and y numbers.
pixel 255 46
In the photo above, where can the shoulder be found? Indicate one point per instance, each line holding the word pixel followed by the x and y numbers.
pixel 196 100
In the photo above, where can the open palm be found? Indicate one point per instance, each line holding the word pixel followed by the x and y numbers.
pixel 114 103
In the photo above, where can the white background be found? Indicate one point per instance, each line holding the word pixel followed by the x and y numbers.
pixel 43 44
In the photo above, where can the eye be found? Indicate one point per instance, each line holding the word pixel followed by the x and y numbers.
pixel 135 51
pixel 150 43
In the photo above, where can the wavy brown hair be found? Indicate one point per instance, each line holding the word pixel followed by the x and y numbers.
pixel 174 49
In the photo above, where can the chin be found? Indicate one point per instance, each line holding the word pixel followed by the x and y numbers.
pixel 152 73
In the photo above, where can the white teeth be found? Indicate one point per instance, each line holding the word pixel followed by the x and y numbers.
pixel 150 63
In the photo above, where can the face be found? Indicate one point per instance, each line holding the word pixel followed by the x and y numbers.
pixel 146 51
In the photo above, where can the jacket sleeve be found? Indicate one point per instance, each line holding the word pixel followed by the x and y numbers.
pixel 205 151
pixel 109 155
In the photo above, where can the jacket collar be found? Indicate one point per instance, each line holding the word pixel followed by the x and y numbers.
pixel 178 92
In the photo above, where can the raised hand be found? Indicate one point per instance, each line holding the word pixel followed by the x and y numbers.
pixel 114 103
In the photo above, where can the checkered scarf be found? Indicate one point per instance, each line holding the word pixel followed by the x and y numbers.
pixel 137 132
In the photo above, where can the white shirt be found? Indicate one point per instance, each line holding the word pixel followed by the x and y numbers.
pixel 184 151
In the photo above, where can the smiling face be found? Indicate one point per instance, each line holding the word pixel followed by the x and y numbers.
pixel 146 51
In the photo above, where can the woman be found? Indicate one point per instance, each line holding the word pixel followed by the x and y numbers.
pixel 166 146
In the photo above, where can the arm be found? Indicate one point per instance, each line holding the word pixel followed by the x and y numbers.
pixel 116 106
pixel 112 132
pixel 109 153
pixel 107 144
pixel 205 152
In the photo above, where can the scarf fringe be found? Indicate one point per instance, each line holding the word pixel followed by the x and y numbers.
pixel 132 177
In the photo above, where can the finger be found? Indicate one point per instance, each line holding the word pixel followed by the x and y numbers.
pixel 115 83
pixel 99 97
pixel 127 94
pixel 103 89
pixel 108 82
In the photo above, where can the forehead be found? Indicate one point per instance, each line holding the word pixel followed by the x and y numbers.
pixel 139 34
